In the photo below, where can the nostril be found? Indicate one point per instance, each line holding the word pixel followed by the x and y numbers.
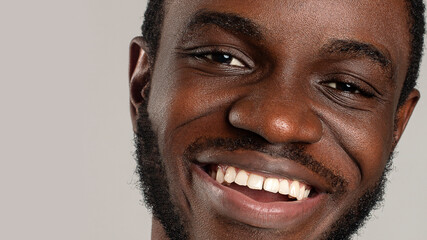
pixel 244 114
pixel 276 120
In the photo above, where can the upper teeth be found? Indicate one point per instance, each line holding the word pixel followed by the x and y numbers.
pixel 254 181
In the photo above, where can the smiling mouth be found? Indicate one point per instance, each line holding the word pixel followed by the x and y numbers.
pixel 258 186
pixel 255 189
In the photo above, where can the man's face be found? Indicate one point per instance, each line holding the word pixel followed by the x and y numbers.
pixel 296 92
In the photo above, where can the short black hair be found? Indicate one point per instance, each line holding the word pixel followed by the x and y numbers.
pixel 154 15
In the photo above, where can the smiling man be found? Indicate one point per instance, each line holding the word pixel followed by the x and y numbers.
pixel 273 119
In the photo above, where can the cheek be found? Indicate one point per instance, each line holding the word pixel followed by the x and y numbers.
pixel 367 140
pixel 188 97
pixel 182 108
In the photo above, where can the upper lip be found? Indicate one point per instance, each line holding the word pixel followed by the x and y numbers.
pixel 266 164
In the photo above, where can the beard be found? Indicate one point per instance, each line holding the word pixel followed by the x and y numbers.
pixel 155 186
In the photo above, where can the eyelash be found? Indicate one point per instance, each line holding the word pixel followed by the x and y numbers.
pixel 232 61
pixel 336 83
pixel 339 84
pixel 211 55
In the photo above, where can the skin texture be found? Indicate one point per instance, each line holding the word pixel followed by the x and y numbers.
pixel 279 93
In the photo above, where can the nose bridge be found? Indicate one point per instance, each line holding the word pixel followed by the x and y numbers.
pixel 277 113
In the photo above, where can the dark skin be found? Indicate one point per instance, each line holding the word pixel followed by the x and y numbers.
pixel 326 75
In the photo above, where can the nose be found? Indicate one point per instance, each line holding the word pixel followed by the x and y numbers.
pixel 276 118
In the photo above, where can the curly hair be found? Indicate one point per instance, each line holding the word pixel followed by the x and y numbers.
pixel 154 15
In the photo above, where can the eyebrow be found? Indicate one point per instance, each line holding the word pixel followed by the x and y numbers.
pixel 231 22
pixel 356 49
pixel 239 25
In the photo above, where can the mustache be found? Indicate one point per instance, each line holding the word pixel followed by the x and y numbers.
pixel 291 151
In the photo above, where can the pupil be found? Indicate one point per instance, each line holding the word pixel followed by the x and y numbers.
pixel 345 87
pixel 221 58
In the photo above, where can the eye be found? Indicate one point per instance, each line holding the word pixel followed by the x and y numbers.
pixel 223 58
pixel 346 87
pixel 351 85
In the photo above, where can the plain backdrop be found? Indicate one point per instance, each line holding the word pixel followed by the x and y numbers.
pixel 66 165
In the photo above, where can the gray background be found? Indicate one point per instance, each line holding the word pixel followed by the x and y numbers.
pixel 66 166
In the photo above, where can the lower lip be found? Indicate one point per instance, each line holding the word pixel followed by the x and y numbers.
pixel 239 207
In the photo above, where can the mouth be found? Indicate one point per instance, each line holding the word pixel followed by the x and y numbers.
pixel 260 187
pixel 258 191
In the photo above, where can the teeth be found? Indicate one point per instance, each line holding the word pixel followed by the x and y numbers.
pixel 284 187
pixel 307 192
pixel 294 189
pixel 301 193
pixel 255 181
pixel 219 175
pixel 230 175
pixel 271 185
pixel 213 174
pixel 242 178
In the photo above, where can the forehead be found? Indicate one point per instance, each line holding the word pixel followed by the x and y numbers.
pixel 292 25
